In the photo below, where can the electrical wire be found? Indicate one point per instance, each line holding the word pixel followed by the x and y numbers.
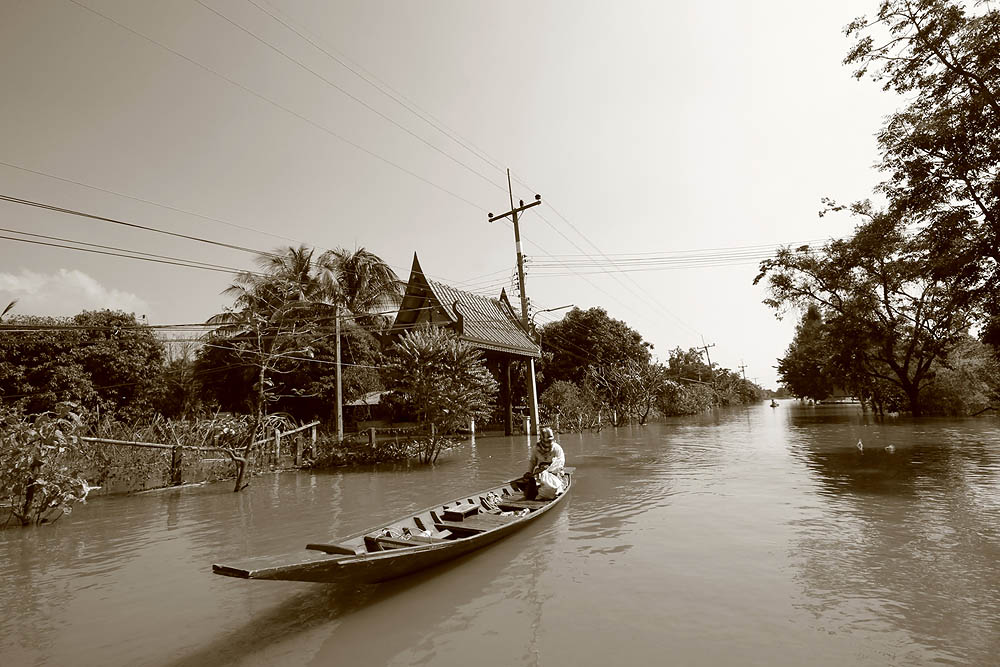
pixel 277 105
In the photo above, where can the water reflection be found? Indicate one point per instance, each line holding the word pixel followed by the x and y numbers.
pixel 758 536
pixel 906 542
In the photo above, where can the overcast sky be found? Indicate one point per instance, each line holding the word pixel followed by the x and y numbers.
pixel 649 128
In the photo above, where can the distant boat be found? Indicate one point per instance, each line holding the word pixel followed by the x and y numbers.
pixel 774 403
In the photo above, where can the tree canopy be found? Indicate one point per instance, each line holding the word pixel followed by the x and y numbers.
pixel 888 314
pixel 586 338
pixel 941 151
pixel 100 359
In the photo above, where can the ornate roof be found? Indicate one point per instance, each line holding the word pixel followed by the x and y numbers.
pixel 489 324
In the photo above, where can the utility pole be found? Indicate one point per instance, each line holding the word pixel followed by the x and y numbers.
pixel 743 369
pixel 711 375
pixel 340 391
pixel 512 213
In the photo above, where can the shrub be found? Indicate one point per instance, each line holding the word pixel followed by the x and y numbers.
pixel 40 462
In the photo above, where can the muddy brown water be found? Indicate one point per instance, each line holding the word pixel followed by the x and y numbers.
pixel 750 537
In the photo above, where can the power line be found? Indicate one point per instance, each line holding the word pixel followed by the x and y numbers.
pixel 387 90
pixel 69 211
pixel 343 90
pixel 175 260
pixel 147 201
pixel 282 107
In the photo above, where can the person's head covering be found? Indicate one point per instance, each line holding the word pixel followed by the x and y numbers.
pixel 547 436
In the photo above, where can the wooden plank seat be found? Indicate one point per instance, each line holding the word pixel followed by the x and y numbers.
pixel 518 502
pixel 403 542
pixel 474 525
pixel 334 549
pixel 459 512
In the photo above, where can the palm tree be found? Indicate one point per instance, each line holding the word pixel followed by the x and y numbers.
pixel 360 282
pixel 274 310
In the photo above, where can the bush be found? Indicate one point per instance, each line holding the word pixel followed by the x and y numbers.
pixel 40 462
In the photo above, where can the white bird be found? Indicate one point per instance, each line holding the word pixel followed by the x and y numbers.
pixel 890 448
pixel 860 445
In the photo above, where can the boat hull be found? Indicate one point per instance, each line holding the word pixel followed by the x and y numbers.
pixel 363 566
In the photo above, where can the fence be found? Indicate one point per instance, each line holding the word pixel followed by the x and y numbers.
pixel 273 456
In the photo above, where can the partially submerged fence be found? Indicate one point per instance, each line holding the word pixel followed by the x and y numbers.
pixel 272 456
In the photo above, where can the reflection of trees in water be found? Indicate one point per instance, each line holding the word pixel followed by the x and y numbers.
pixel 902 543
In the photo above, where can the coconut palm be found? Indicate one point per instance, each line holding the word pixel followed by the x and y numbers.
pixel 361 283
pixel 277 310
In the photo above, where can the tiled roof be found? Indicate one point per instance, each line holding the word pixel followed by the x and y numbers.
pixel 487 323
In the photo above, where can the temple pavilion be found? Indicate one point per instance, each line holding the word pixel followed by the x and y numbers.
pixel 491 325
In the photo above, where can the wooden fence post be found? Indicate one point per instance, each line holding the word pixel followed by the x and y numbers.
pixel 176 466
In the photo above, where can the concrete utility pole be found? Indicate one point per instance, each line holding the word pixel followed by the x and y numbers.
pixel 340 390
pixel 525 322
pixel 711 374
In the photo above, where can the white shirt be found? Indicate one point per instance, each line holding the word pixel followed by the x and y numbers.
pixel 555 457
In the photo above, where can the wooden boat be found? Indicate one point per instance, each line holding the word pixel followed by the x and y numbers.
pixel 417 541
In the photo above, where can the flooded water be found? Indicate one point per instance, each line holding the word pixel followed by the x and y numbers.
pixel 754 537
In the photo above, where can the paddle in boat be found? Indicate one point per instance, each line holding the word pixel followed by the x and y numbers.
pixel 417 541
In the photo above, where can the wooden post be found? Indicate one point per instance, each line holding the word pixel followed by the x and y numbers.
pixel 507 397
pixel 176 466
pixel 371 437
pixel 277 446
pixel 298 447
pixel 314 452
pixel 472 427
pixel 557 422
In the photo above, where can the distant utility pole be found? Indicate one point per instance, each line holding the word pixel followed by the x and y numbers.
pixel 711 375
pixel 525 322
pixel 743 369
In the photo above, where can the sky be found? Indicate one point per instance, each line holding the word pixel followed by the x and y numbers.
pixel 653 131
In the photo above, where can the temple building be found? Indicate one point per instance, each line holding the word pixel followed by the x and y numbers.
pixel 491 325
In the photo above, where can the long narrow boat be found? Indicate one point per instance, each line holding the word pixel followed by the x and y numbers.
pixel 414 542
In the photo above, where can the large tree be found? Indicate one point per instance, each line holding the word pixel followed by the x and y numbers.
pixel 103 360
pixel 941 151
pixel 884 306
pixel 285 315
pixel 806 369
pixel 585 338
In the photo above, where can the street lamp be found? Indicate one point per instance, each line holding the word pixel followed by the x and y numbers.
pixel 546 310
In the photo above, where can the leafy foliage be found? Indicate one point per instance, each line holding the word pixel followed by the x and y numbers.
pixel 888 314
pixel 941 152
pixel 103 359
pixel 39 459
pixel 575 406
pixel 584 338
pixel 807 369
pixel 444 381
pixel 283 319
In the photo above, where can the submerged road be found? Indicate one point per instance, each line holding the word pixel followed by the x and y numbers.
pixel 760 536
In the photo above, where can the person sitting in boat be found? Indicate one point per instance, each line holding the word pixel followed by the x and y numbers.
pixel 545 480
